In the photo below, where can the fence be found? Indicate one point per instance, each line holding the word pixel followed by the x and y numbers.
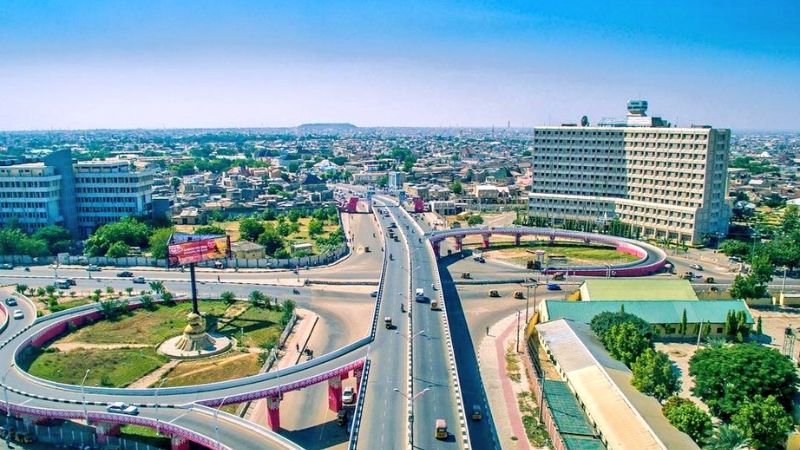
pixel 73 435
pixel 145 261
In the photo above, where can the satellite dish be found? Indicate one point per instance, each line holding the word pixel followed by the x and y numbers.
pixel 584 121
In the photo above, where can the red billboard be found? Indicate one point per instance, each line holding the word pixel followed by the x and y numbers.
pixel 185 248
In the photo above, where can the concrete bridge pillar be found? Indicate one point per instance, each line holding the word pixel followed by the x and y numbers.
pixel 436 249
pixel 459 242
pixel 358 372
pixel 105 429
pixel 486 240
pixel 517 239
pixel 273 413
pixel 335 393
pixel 179 443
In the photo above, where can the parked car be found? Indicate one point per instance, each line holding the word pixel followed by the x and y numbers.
pixel 138 280
pixel 11 301
pixel 553 287
pixel 349 396
pixel 122 408
pixel 93 268
pixel 6 266
pixel 125 274
pixel 696 267
pixel 341 417
pixel 18 314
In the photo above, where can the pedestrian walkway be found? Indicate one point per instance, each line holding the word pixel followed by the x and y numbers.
pixel 500 389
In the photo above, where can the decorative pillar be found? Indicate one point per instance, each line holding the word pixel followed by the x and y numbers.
pixel 179 443
pixel 273 413
pixel 459 241
pixel 517 239
pixel 105 429
pixel 436 249
pixel 335 393
pixel 358 372
pixel 485 240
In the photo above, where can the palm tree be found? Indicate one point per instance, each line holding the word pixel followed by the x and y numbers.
pixel 21 288
pixel 157 287
pixel 727 437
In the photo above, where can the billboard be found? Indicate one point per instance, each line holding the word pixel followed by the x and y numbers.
pixel 185 248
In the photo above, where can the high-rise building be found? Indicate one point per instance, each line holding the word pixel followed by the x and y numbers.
pixel 79 196
pixel 664 183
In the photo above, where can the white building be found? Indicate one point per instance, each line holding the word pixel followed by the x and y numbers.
pixel 664 182
pixel 30 195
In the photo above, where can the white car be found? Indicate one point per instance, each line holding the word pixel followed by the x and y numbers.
pixel 348 396
pixel 122 408
pixel 18 314
pixel 696 267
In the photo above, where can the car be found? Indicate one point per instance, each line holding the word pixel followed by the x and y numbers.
pixel 71 281
pixel 480 259
pixel 11 301
pixel 122 408
pixel 138 280
pixel 6 266
pixel 93 268
pixel 373 294
pixel 349 396
pixel 696 267
pixel 477 414
pixel 553 287
pixel 735 259
pixel 18 314
pixel 519 295
pixel 494 293
pixel 341 417
pixel 125 274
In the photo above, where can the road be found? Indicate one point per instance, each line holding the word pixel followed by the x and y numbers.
pixel 385 420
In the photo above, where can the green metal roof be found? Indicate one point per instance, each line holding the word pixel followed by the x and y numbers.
pixel 583 443
pixel 645 289
pixel 654 312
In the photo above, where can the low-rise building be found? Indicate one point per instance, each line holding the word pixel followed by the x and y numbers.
pixel 247 250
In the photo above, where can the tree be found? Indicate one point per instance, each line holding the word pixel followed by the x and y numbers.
pixel 57 238
pixel 158 242
pixel 112 308
pixel 653 375
pixel 257 298
pixel 21 288
pixel 251 228
pixel 49 288
pixel 129 290
pixel 118 250
pixel 684 327
pixel 315 227
pixel 764 421
pixel 748 288
pixel 14 242
pixel 228 297
pixel 761 269
pixel 474 219
pixel 736 248
pixel 727 377
pixel 456 187
pixel 157 287
pixel 383 180
pixel 209 229
pixel 271 241
pixel 147 302
pixel 625 342
pixel 727 437
pixel 287 307
pixel 759 328
pixel 128 231
pixel 167 297
pixel 602 322
pixel 684 415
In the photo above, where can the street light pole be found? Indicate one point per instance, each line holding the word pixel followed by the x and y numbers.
pixel 517 331
pixel 83 395
pixel 216 420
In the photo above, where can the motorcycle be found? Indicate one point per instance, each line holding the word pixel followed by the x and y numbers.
pixel 27 269
pixel 296 291
pixel 402 308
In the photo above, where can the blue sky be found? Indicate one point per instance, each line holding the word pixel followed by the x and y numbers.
pixel 124 64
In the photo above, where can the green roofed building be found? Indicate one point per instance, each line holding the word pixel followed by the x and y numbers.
pixel 664 315
pixel 633 289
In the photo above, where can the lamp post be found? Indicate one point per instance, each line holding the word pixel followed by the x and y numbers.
pixel 158 424
pixel 528 286
pixel 83 396
pixel 216 420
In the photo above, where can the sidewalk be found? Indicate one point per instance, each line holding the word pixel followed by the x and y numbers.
pixel 500 389
pixel 293 351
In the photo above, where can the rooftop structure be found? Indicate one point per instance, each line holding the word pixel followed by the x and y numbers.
pixel 636 289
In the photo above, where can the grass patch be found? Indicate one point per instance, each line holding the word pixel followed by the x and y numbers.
pixel 144 435
pixel 117 367
pixel 535 431
pixel 575 253
pixel 722 294
pixel 230 367
pixel 142 326
pixel 260 325
pixel 512 364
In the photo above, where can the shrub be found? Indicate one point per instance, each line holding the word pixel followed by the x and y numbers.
pixel 684 415
pixel 653 375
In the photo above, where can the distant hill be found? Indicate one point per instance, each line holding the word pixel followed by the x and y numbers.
pixel 327 127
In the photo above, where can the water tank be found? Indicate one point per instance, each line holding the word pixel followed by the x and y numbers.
pixel 638 107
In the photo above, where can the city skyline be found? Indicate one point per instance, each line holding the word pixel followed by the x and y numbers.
pixel 176 65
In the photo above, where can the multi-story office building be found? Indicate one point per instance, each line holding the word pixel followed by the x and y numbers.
pixel 30 195
pixel 107 191
pixel 665 183
pixel 79 196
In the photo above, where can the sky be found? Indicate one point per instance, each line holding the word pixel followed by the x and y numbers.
pixel 164 64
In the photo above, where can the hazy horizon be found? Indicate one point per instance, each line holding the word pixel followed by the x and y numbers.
pixel 202 64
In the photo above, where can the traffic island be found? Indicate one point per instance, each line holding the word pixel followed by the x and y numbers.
pixel 195 342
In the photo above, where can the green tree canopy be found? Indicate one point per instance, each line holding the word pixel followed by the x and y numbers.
pixel 726 377
pixel 684 415
pixel 14 242
pixel 456 187
pixel 58 239
pixel 727 437
pixel 118 250
pixel 271 240
pixel 731 247
pixel 158 242
pixel 474 219
pixel 625 342
pixel 603 322
pixel 251 228
pixel 315 227
pixel 653 375
pixel 128 231
pixel 209 229
pixel 764 421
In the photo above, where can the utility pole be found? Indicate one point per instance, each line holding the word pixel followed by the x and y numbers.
pixel 517 344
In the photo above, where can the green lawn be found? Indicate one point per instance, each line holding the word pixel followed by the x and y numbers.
pixel 575 253
pixel 260 326
pixel 145 435
pixel 109 367
pixel 143 326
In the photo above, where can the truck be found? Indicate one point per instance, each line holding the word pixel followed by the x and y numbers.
pixel 419 295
